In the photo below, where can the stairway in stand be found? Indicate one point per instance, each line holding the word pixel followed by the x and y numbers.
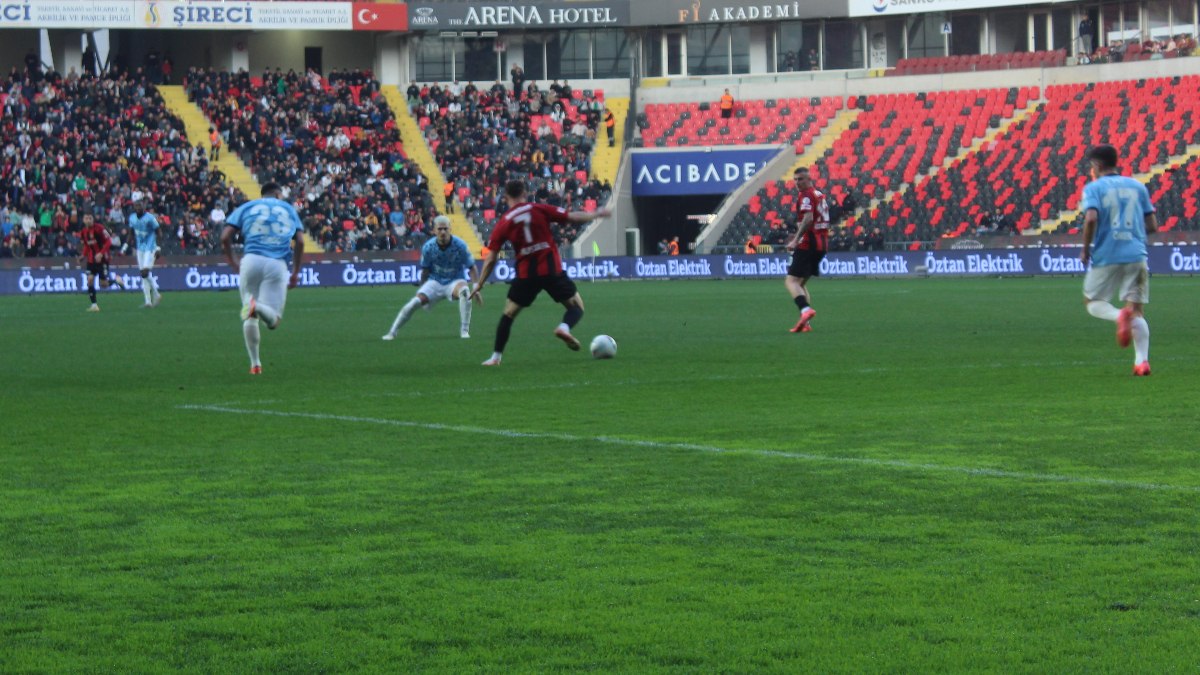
pixel 196 124
pixel 825 140
pixel 606 160
pixel 418 151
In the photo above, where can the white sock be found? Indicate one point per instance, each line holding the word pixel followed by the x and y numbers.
pixel 1141 340
pixel 464 308
pixel 153 283
pixel 1103 310
pixel 563 326
pixel 253 338
pixel 496 356
pixel 405 314
pixel 146 289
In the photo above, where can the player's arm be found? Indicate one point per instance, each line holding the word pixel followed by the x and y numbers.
pixel 473 275
pixel 489 264
pixel 1090 218
pixel 297 258
pixel 1148 209
pixel 581 217
pixel 227 248
pixel 105 244
pixel 806 224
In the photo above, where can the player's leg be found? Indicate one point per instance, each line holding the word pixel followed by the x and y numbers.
pixel 91 286
pixel 520 295
pixel 462 291
pixel 797 285
pixel 272 292
pixel 1135 291
pixel 249 280
pixel 425 294
pixel 1100 284
pixel 146 285
pixel 562 289
pixel 110 278
pixel 146 262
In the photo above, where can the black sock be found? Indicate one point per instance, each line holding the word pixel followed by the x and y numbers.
pixel 502 331
pixel 572 316
pixel 801 302
pixel 92 295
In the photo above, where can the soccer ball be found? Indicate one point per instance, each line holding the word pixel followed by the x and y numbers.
pixel 603 347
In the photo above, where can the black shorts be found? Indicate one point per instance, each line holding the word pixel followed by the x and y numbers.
pixel 525 291
pixel 806 263
pixel 98 269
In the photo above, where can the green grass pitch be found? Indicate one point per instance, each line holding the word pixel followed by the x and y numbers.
pixel 944 476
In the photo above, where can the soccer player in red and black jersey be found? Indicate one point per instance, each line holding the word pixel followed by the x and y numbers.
pixel 96 246
pixel 808 246
pixel 526 226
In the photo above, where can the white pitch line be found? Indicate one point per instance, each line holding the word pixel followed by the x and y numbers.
pixel 668 445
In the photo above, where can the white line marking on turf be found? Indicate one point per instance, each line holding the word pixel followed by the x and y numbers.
pixel 668 445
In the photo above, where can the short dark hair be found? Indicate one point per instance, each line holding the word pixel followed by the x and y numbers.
pixel 800 170
pixel 515 189
pixel 271 190
pixel 1103 155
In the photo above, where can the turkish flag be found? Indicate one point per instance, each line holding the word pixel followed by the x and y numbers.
pixel 380 16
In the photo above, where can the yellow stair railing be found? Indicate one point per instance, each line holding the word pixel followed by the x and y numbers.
pixel 418 151
pixel 196 125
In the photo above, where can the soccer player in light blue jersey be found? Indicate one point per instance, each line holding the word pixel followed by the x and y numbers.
pixel 271 230
pixel 445 264
pixel 145 229
pixel 1117 216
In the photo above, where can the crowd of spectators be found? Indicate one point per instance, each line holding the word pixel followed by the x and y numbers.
pixel 1135 50
pixel 93 144
pixel 484 137
pixel 332 143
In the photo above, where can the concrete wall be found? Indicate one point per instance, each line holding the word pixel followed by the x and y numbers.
pixel 856 83
pixel 285 49
pixel 15 45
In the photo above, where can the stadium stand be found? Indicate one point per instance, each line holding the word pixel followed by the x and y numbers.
pixel 790 120
pixel 79 145
pixel 482 138
pixel 894 139
pixel 1036 170
pixel 331 141
pixel 932 65
pixel 1029 177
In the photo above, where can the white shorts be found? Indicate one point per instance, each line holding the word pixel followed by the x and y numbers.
pixel 264 279
pixel 436 290
pixel 1130 282
pixel 145 258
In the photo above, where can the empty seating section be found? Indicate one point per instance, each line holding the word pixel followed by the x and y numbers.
pixel 934 65
pixel 895 139
pixel 1175 194
pixel 481 139
pixel 1037 169
pixel 331 141
pixel 790 120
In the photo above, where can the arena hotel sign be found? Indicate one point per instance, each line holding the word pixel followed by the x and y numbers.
pixel 494 15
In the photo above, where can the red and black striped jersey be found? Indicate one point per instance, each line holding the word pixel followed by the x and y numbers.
pixel 527 227
pixel 813 201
